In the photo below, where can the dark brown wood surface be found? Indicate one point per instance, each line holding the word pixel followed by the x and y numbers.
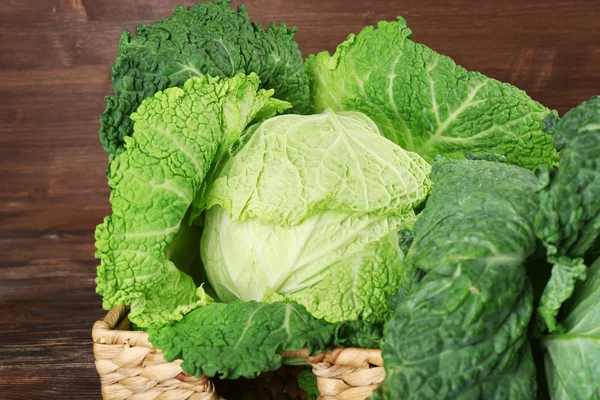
pixel 55 58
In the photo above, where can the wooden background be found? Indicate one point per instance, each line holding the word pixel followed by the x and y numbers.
pixel 55 58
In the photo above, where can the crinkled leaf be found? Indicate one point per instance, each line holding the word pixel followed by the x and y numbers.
pixel 481 209
pixel 572 358
pixel 358 333
pixel 516 382
pixel 209 38
pixel 569 218
pixel 177 135
pixel 460 331
pixel 243 339
pixel 307 381
pixel 455 332
pixel 356 287
pixel 565 274
pixel 426 103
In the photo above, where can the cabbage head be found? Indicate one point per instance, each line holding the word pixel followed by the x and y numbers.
pixel 307 209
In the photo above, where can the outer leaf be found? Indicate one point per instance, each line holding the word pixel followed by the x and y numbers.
pixel 565 274
pixel 516 382
pixel 307 381
pixel 461 330
pixel 581 313
pixel 426 103
pixel 481 209
pixel 206 39
pixel 573 358
pixel 243 339
pixel 359 333
pixel 177 135
pixel 569 219
pixel 454 333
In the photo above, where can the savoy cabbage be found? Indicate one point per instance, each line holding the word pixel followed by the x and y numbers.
pixel 308 210
pixel 569 224
pixel 461 331
pixel 237 234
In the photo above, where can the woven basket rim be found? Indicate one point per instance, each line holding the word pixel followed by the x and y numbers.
pixel 114 328
pixel 351 373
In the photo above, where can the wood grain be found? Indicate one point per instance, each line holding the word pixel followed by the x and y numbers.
pixel 55 58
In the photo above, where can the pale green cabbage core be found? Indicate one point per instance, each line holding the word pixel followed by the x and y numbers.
pixel 307 209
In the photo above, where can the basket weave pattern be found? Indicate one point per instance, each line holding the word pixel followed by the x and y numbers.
pixel 345 373
pixel 130 368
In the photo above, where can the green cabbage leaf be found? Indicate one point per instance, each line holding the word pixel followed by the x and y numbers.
pixel 460 333
pixel 426 103
pixel 572 358
pixel 178 134
pixel 569 225
pixel 569 219
pixel 209 38
pixel 245 338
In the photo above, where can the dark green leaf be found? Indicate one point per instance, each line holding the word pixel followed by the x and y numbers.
pixel 307 381
pixel 573 357
pixel 461 331
pixel 358 334
pixel 207 39
pixel 569 219
pixel 565 274
pixel 243 339
pixel 240 339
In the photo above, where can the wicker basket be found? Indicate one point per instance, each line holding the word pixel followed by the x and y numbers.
pixel 130 368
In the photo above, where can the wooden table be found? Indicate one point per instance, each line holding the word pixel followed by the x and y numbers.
pixel 55 58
